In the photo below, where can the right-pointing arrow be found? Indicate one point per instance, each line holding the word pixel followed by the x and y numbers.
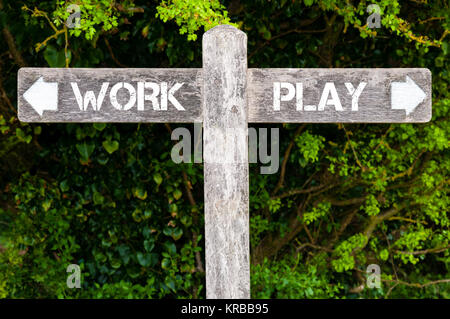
pixel 42 96
pixel 406 95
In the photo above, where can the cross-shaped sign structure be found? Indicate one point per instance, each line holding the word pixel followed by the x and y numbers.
pixel 225 96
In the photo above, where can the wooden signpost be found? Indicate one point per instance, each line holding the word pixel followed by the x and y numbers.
pixel 225 96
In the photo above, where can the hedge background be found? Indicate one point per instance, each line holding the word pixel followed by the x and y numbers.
pixel 108 197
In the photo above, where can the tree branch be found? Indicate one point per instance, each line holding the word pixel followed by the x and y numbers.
pixel 319 188
pixel 286 157
pixel 425 251
pixel 282 35
pixel 188 187
pixel 111 53
pixel 18 59
pixel 417 285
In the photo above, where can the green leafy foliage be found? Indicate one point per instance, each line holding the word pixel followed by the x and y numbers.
pixel 316 213
pixel 286 278
pixel 344 252
pixel 108 197
pixel 95 15
pixel 309 145
pixel 371 206
pixel 192 15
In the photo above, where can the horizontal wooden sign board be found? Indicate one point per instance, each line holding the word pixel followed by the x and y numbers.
pixel 274 95
pixel 109 95
pixel 339 95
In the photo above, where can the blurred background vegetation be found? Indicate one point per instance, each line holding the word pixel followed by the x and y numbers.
pixel 108 197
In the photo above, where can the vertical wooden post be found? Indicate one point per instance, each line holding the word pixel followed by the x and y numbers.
pixel 226 163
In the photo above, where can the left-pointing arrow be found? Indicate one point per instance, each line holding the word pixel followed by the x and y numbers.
pixel 42 96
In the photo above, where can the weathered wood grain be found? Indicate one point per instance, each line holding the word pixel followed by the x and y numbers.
pixel 189 95
pixel 374 101
pixel 226 163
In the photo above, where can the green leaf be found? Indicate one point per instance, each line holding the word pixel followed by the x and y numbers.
pixel 147 260
pixel 153 259
pixel 99 126
pixel 170 247
pixel 22 136
pixel 143 259
pixel 171 284
pixel 384 254
pixel 157 178
pixel 149 245
pixel 167 231
pixel 165 263
pixel 124 252
pixel 115 263
pixel 177 194
pixel 102 159
pixel 146 232
pixel 147 214
pixel 85 150
pixel 55 58
pixel 98 198
pixel 111 146
pixel 64 186
pixel 46 204
pixel 37 130
pixel 100 257
pixel 445 47
pixel 177 233
pixel 140 193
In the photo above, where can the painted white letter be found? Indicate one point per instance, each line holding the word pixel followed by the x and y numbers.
pixel 355 93
pixel 89 97
pixel 170 97
pixel 277 98
pixel 141 96
pixel 299 96
pixel 113 96
pixel 329 88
